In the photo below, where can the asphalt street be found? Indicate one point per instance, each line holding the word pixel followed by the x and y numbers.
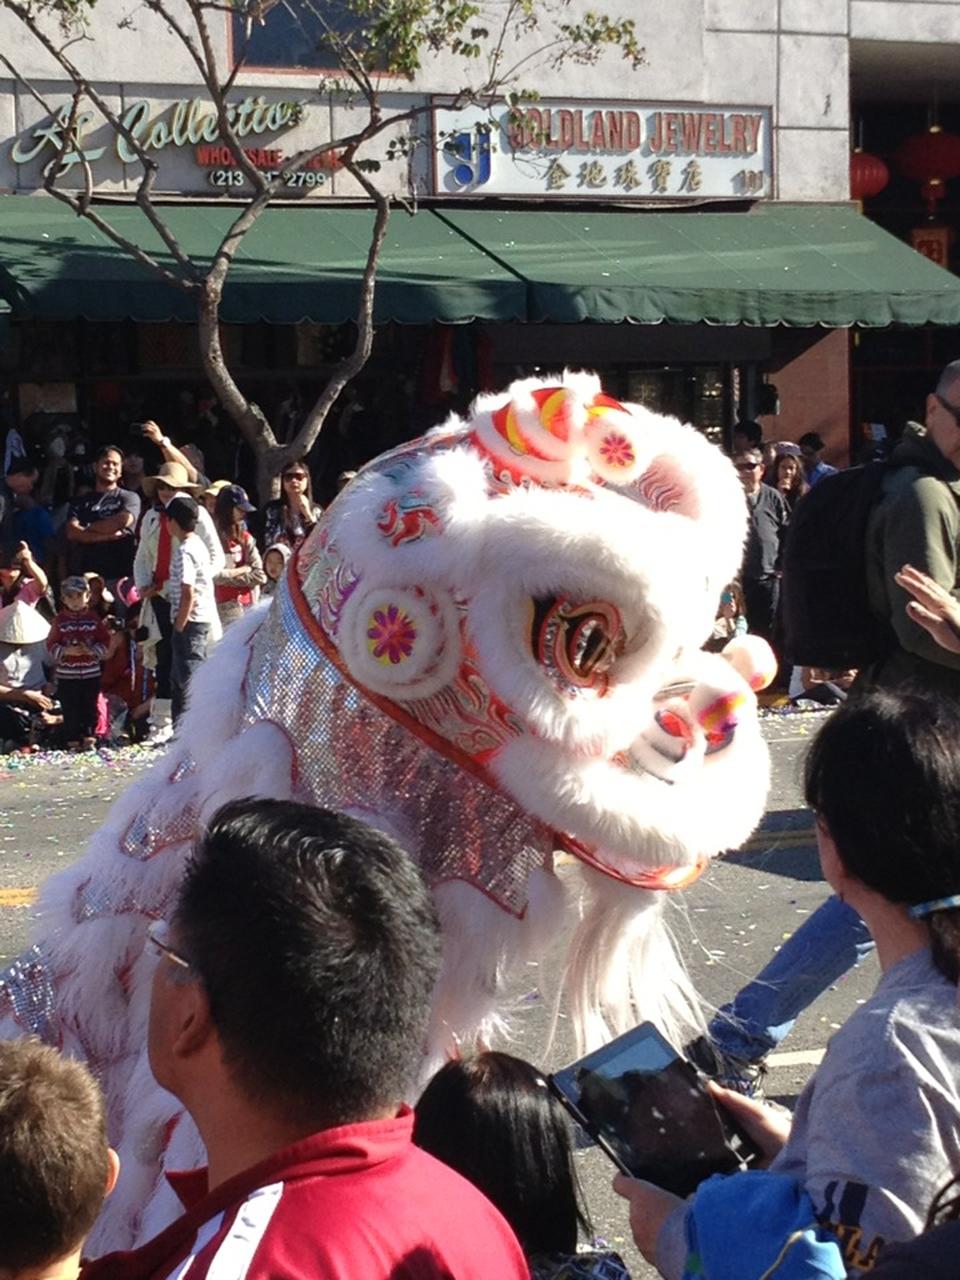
pixel 728 924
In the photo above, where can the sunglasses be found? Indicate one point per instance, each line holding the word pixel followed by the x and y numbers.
pixel 747 466
pixel 295 475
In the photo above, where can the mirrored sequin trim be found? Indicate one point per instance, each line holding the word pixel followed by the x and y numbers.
pixel 351 755
pixel 27 995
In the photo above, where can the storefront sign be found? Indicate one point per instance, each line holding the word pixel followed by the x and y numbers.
pixel 186 136
pixel 933 243
pixel 187 122
pixel 603 149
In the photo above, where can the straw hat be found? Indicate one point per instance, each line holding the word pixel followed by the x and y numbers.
pixel 172 474
pixel 106 595
pixel 21 624
pixel 212 490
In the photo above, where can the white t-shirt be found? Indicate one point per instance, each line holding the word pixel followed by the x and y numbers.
pixel 190 564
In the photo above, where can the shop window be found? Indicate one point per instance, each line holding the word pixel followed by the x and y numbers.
pixel 175 345
pixel 49 350
pixel 295 37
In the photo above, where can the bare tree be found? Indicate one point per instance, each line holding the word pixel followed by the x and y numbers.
pixel 504 42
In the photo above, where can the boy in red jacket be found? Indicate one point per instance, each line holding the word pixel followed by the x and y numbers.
pixel 77 644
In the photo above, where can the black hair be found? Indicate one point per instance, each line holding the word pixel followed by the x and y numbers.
pixel 108 448
pixel 811 440
pixel 318 945
pixel 184 511
pixel 223 508
pixel 884 775
pixel 752 430
pixel 23 467
pixel 493 1119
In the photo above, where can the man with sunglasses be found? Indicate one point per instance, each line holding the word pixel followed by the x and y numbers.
pixel 768 516
pixel 917 522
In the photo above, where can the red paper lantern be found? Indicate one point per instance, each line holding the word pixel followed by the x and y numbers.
pixel 868 175
pixel 929 155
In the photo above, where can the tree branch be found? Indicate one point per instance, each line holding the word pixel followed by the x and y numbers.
pixel 212 80
pixel 350 365
pixel 150 166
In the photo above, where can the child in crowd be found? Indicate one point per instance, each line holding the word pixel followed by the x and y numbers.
pixel 126 683
pixel 493 1119
pixel 275 560
pixel 77 644
pixel 731 618
pixel 191 595
pixel 55 1165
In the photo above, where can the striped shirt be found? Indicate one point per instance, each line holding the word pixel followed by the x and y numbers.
pixel 73 627
pixel 190 564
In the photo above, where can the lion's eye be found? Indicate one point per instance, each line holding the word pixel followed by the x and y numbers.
pixel 576 641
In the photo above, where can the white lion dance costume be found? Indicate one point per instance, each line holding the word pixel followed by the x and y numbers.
pixel 488 648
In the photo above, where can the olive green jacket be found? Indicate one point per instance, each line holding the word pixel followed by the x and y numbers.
pixel 916 521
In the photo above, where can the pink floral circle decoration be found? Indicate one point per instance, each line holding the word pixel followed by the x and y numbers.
pixel 616 450
pixel 391 635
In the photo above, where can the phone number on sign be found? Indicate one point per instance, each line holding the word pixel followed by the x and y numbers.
pixel 236 178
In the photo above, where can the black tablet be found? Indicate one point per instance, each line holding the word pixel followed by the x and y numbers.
pixel 649 1109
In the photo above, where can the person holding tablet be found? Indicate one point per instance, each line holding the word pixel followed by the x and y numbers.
pixel 876 1132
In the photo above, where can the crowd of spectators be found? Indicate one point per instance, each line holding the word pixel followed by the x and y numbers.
pixel 102 512
pixel 111 662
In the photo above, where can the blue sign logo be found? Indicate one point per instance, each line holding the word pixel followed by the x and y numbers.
pixel 469 153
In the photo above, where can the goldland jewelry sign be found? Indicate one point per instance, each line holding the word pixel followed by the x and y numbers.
pixel 603 149
pixel 183 136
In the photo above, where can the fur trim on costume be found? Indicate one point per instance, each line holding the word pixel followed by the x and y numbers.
pixel 488 648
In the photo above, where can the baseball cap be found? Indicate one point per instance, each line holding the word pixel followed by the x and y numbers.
pixel 238 497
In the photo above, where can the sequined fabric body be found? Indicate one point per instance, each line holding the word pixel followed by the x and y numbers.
pixel 357 757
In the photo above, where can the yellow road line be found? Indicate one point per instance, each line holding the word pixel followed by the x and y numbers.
pixel 17 897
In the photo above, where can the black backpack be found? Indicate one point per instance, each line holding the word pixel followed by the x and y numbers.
pixel 826 615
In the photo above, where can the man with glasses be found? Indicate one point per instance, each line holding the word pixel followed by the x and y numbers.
pixel 917 522
pixel 288 1014
pixel 768 516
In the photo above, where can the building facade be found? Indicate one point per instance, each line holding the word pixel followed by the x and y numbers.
pixel 741 107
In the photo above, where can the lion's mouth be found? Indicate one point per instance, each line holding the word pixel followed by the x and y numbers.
pixel 662 879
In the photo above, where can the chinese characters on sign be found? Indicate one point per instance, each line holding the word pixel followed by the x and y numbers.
pixel 643 150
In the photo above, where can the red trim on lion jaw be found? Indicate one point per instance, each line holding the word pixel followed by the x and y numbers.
pixel 664 879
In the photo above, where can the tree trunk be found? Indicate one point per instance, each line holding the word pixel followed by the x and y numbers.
pixel 248 417
pixel 270 462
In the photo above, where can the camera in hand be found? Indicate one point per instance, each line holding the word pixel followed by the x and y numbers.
pixel 650 1111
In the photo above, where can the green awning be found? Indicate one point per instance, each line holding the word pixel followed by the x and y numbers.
pixel 296 263
pixel 778 264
